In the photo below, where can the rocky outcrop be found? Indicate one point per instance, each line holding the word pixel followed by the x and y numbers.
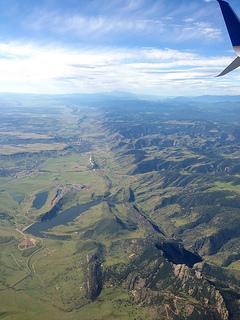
pixel 181 292
pixel 94 279
pixel 198 287
pixel 174 291
pixel 222 278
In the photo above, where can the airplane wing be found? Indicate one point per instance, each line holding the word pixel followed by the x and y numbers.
pixel 233 26
pixel 234 65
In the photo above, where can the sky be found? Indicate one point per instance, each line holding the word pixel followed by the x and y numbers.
pixel 146 47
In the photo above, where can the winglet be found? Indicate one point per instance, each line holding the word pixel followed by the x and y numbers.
pixel 232 22
pixel 233 26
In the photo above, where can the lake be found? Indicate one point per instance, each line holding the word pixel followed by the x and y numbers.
pixel 55 218
pixel 40 200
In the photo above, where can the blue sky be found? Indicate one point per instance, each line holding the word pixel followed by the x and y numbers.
pixel 159 47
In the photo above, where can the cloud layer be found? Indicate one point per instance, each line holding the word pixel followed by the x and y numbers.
pixel 49 69
pixel 161 47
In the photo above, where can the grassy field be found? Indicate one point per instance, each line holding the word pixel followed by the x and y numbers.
pixel 35 147
pixel 228 186
pixel 24 135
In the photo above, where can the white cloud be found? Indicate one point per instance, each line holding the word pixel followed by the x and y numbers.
pixel 166 27
pixel 48 69
pixel 82 25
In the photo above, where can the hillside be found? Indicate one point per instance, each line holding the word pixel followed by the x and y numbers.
pixel 119 209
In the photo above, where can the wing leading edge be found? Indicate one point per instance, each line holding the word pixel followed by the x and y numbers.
pixel 234 65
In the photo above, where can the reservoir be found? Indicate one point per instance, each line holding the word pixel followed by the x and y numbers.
pixel 55 218
pixel 40 200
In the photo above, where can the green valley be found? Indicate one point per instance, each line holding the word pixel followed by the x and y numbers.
pixel 119 209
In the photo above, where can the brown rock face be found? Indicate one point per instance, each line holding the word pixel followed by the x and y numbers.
pixel 176 291
pixel 199 287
